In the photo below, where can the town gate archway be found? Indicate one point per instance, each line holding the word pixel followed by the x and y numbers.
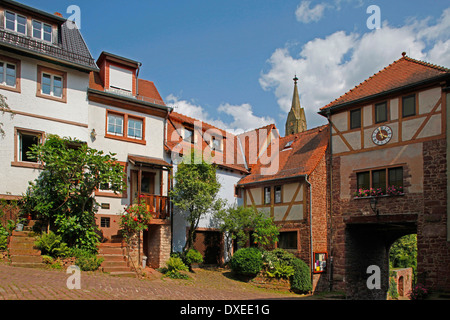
pixel 367 243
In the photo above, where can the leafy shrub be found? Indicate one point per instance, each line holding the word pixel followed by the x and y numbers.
pixel 277 264
pixel 52 245
pixel 3 238
pixel 393 292
pixel 174 266
pixel 86 260
pixel 419 292
pixel 301 279
pixel 247 261
pixel 193 257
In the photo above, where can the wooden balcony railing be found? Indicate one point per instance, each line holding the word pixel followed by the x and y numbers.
pixel 159 206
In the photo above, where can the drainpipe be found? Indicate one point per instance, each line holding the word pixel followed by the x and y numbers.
pixel 310 228
pixel 330 274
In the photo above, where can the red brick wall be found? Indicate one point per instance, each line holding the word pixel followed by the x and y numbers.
pixel 320 226
pixel 433 258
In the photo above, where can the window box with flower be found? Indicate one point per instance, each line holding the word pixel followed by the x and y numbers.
pixel 378 192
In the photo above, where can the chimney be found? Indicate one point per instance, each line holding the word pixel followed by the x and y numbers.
pixel 58 14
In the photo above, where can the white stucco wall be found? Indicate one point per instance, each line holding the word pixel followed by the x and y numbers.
pixel 227 180
pixel 42 115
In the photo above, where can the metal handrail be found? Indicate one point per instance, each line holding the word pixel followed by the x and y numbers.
pixel 41 47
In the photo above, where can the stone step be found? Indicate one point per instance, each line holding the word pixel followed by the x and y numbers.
pixel 27 264
pixel 26 258
pixel 24 251
pixel 112 257
pixel 111 250
pixel 22 239
pixel 108 264
pixel 22 245
pixel 117 269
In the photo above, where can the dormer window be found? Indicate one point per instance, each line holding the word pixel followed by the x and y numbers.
pixel 15 22
pixel 120 79
pixel 188 135
pixel 216 143
pixel 42 31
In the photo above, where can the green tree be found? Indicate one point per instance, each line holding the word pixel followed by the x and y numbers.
pixel 244 224
pixel 63 195
pixel 403 253
pixel 195 192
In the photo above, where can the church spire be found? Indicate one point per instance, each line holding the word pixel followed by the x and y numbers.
pixel 296 121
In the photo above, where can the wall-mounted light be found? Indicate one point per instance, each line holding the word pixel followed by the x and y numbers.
pixel 373 205
pixel 93 134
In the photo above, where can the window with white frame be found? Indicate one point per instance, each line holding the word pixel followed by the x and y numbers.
pixel 25 141
pixel 8 75
pixel 115 124
pixel 42 31
pixel 52 85
pixel 15 22
pixel 134 128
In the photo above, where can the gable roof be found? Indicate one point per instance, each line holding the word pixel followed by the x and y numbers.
pixel 402 73
pixel 71 49
pixel 298 155
pixel 174 141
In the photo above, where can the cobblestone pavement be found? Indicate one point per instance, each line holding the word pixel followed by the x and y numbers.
pixel 40 284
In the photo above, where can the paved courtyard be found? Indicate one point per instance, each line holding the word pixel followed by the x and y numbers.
pixel 39 284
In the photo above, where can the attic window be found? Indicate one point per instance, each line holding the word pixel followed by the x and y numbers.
pixel 289 144
pixel 120 79
pixel 15 22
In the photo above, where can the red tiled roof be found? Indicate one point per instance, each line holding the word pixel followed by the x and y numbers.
pixel 176 123
pixel 147 89
pixel 402 72
pixel 301 158
pixel 261 139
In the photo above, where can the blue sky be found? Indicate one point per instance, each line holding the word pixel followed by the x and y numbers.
pixel 231 63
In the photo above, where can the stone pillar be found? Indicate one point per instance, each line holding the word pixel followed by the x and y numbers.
pixel 158 245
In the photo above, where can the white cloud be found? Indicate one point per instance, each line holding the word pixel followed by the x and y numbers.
pixel 306 14
pixel 243 118
pixel 328 67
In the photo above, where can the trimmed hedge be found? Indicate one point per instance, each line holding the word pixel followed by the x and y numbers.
pixel 301 280
pixel 247 261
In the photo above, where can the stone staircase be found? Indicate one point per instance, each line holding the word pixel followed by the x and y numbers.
pixel 115 260
pixel 22 252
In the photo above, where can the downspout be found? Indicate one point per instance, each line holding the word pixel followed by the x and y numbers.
pixel 330 274
pixel 137 79
pixel 310 228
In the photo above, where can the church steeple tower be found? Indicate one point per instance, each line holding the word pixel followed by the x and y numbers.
pixel 296 120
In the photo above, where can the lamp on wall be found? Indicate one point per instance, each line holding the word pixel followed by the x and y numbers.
pixel 93 134
pixel 373 205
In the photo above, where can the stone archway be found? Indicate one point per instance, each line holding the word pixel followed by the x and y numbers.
pixel 367 244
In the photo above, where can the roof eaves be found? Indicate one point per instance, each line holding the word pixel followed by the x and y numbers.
pixel 133 100
pixel 325 110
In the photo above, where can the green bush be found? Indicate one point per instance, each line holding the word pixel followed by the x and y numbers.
pixel 3 238
pixel 278 264
pixel 174 265
pixel 86 260
pixel 52 245
pixel 193 257
pixel 301 279
pixel 247 261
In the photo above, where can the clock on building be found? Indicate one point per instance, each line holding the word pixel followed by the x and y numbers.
pixel 382 135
